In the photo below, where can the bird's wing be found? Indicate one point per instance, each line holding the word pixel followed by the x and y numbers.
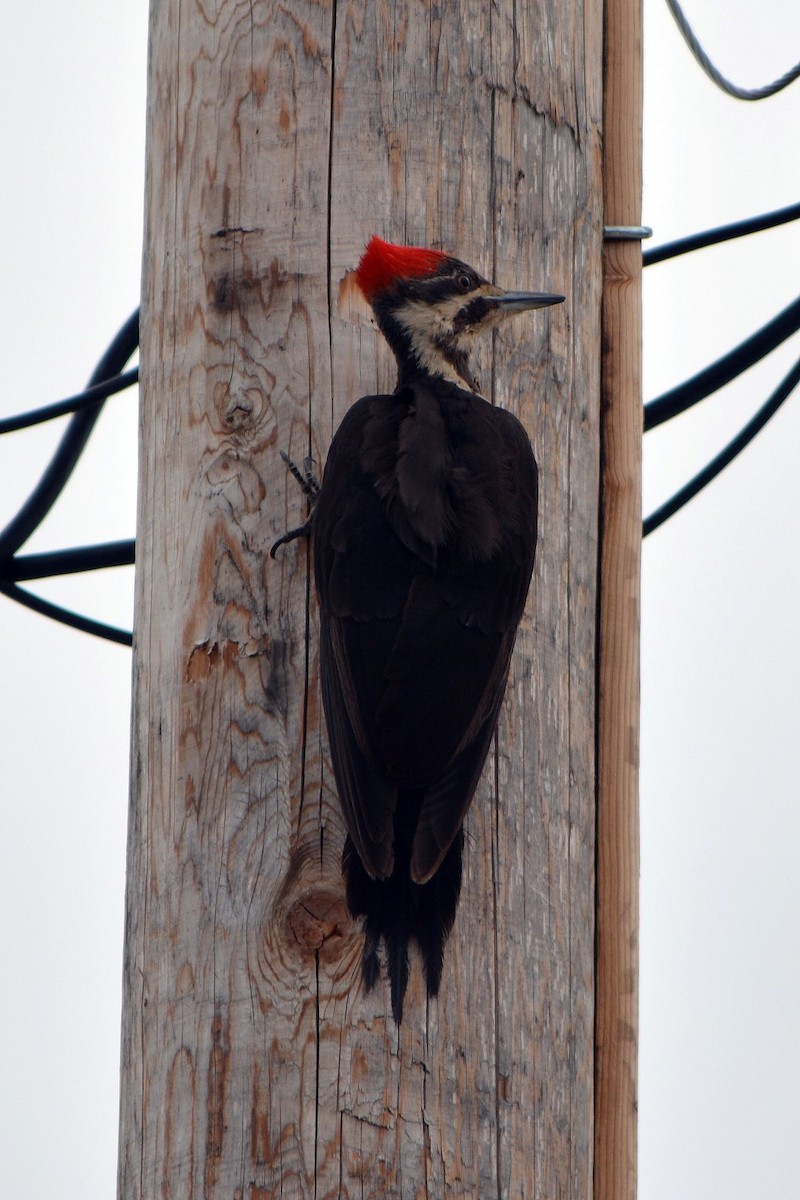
pixel 482 586
pixel 447 801
pixel 367 798
pixel 362 579
pixel 437 717
pixel 414 657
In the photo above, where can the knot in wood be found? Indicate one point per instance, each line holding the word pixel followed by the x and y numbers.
pixel 318 922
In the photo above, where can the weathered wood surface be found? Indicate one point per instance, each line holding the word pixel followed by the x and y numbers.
pixel 618 633
pixel 280 137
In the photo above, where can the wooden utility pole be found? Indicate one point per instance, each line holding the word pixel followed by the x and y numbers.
pixel 280 136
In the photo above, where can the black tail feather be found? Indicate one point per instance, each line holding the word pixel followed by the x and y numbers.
pixel 440 897
pixel 370 963
pixel 398 911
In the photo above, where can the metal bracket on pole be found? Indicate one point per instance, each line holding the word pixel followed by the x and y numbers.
pixel 626 233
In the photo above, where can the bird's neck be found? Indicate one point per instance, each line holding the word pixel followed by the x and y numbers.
pixel 419 353
pixel 445 371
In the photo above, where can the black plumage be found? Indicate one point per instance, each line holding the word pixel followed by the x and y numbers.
pixel 424 534
pixel 422 558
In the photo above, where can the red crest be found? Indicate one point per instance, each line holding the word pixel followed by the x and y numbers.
pixel 382 263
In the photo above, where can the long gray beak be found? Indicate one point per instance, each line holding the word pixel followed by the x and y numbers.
pixel 511 302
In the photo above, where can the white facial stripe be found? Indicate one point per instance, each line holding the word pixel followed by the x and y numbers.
pixel 430 320
pixel 436 320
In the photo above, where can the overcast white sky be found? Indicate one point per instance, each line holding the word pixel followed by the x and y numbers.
pixel 720 989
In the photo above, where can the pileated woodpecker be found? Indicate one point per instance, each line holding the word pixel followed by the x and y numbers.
pixel 424 535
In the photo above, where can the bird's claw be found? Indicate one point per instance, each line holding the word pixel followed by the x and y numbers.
pixel 310 485
pixel 306 478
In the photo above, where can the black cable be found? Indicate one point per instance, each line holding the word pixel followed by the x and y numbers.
pixel 715 376
pixel 69 562
pixel 727 455
pixel 110 632
pixel 47 491
pixel 723 233
pixel 739 93
pixel 70 447
pixel 84 399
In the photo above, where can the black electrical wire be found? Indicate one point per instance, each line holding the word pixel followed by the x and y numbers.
pixel 723 233
pixel 72 561
pixel 44 495
pixel 110 632
pixel 715 376
pixel 727 455
pixel 732 89
pixel 100 391
pixel 70 447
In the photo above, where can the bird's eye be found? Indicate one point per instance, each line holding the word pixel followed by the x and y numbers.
pixel 464 282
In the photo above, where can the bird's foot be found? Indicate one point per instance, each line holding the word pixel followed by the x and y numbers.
pixel 310 485
pixel 306 478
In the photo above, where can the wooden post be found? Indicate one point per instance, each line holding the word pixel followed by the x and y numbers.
pixel 618 634
pixel 280 136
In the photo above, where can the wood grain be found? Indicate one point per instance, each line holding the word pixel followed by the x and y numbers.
pixel 616 1113
pixel 280 136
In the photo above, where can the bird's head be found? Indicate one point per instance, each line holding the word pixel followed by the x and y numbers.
pixel 430 306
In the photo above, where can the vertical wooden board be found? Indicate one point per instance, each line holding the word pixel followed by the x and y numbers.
pixel 234 890
pixel 616 1112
